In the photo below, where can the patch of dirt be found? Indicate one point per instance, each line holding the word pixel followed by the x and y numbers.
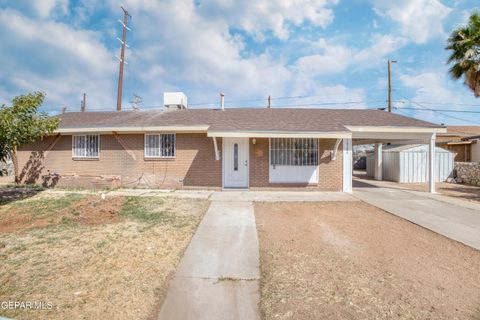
pixel 103 271
pixel 337 260
pixel 93 210
pixel 86 210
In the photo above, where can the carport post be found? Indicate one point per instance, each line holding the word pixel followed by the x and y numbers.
pixel 378 161
pixel 431 164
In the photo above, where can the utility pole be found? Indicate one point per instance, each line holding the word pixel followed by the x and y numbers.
pixel 269 101
pixel 122 58
pixel 390 86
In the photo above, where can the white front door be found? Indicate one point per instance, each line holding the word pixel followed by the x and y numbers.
pixel 235 162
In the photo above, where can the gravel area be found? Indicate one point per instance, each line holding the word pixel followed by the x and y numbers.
pixel 339 260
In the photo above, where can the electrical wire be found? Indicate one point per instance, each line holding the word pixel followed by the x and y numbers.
pixel 439 112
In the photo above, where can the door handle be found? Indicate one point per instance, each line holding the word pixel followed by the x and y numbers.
pixel 246 163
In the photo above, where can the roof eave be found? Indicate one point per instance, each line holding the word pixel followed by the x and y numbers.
pixel 278 134
pixel 180 129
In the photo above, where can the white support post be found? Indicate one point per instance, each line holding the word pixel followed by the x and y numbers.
pixel 431 164
pixel 347 165
pixel 378 161
pixel 333 153
pixel 217 155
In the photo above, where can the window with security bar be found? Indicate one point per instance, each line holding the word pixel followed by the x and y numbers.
pixel 294 151
pixel 86 146
pixel 160 145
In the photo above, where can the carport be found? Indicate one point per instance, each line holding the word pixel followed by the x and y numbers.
pixel 397 135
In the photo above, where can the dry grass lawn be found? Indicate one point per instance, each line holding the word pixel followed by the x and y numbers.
pixel 337 260
pixel 92 258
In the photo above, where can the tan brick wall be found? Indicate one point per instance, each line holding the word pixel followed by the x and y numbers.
pixel 194 164
pixel 330 172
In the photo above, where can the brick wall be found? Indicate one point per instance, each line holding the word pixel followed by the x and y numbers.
pixel 194 164
pixel 330 172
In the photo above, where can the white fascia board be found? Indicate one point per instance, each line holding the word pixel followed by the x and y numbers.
pixel 396 129
pixel 276 134
pixel 186 129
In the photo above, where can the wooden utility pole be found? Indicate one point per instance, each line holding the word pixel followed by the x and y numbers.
pixel 390 86
pixel 269 101
pixel 122 59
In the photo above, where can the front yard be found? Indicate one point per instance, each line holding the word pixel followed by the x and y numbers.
pixel 338 260
pixel 91 258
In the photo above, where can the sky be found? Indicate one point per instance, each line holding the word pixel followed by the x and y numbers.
pixel 310 54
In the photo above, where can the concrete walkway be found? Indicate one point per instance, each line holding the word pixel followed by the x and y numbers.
pixel 218 276
pixel 456 219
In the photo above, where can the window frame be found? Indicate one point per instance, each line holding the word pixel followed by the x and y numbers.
pixel 85 157
pixel 145 136
pixel 291 159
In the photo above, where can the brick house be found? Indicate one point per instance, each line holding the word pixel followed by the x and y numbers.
pixel 212 148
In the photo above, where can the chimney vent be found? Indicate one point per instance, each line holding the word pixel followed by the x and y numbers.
pixel 222 100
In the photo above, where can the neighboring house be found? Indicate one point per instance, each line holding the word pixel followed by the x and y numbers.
pixel 213 148
pixel 474 144
pixel 454 140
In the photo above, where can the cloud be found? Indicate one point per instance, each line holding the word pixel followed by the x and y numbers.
pixel 53 57
pixel 259 16
pixel 420 20
pixel 430 87
pixel 337 58
pixel 334 59
pixel 434 90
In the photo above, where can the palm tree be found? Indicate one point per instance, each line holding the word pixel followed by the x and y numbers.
pixel 464 42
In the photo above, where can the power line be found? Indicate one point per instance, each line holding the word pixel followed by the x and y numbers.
pixel 439 112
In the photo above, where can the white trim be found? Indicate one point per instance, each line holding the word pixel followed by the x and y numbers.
pixel 167 129
pixel 396 129
pixel 347 165
pixel 217 155
pixel 159 134
pixel 333 154
pixel 278 134
pixel 386 136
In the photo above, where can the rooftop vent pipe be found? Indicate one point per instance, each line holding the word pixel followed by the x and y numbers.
pixel 222 100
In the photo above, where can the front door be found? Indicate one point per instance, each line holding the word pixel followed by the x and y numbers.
pixel 235 162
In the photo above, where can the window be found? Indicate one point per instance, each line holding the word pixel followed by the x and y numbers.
pixel 86 146
pixel 160 145
pixel 235 157
pixel 293 152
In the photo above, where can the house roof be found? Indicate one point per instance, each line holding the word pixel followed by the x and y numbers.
pixel 241 119
pixel 461 131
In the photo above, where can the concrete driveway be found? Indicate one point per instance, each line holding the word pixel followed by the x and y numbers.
pixel 454 218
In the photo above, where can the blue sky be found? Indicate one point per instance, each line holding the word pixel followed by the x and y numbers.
pixel 331 53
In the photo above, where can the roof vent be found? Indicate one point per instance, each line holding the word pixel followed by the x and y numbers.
pixel 175 100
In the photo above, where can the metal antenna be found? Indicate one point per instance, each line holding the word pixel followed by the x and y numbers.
pixel 122 57
pixel 83 105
